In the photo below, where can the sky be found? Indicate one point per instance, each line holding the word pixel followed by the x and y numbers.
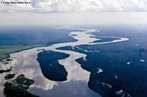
pixel 64 12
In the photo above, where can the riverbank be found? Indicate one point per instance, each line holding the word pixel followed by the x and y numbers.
pixel 25 62
pixel 5 51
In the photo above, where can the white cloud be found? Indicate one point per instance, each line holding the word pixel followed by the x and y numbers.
pixel 83 5
pixel 62 12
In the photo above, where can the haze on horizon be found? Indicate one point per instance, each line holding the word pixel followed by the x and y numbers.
pixel 74 12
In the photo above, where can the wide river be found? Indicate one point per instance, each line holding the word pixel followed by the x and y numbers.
pixel 76 85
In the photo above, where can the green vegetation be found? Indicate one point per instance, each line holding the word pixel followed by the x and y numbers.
pixel 18 87
pixel 9 76
pixel 6 50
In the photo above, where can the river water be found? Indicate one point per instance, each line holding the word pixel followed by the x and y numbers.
pixel 76 85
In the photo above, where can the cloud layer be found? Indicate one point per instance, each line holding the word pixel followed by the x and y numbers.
pixel 81 5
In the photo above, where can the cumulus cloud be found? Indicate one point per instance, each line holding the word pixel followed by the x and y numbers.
pixel 82 5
